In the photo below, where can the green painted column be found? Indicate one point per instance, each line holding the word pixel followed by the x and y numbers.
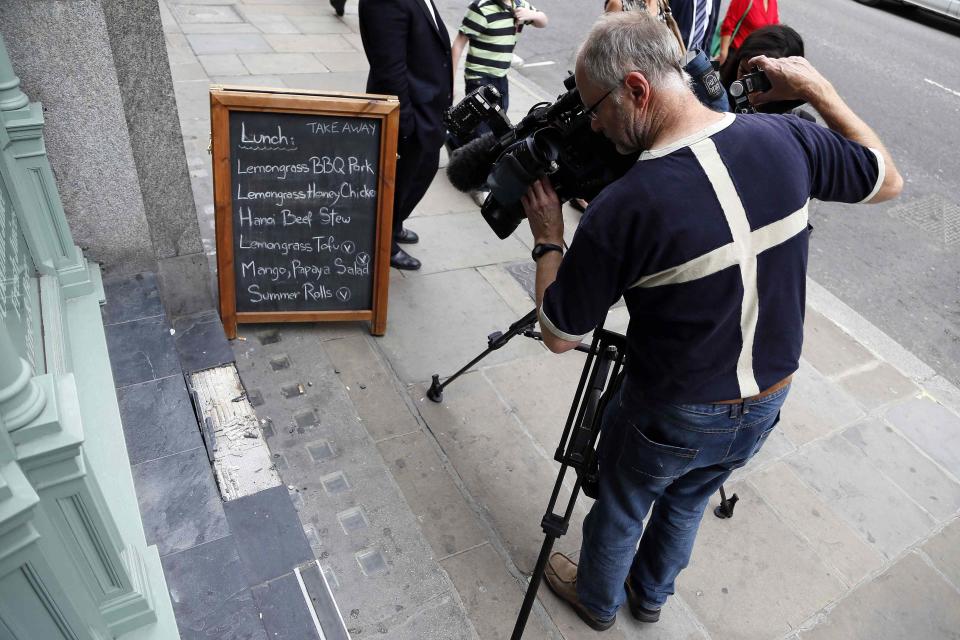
pixel 73 560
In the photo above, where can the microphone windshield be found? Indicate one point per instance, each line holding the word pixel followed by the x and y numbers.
pixel 470 164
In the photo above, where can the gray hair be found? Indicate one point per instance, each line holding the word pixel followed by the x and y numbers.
pixel 621 42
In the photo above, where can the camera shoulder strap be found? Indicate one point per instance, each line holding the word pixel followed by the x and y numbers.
pixel 666 15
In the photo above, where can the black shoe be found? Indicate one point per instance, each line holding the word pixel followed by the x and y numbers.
pixel 338 6
pixel 406 237
pixel 403 260
pixel 639 612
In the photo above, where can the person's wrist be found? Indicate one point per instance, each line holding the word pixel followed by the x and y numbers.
pixel 548 239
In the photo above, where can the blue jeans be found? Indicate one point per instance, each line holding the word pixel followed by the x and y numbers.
pixel 673 457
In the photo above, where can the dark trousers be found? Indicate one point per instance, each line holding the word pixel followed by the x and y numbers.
pixel 416 166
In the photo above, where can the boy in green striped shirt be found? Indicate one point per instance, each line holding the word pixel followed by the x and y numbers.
pixel 491 28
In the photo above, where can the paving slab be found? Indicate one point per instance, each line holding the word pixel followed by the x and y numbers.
pixel 342 81
pixel 805 512
pixel 442 198
pixel 491 595
pixel 447 521
pixel 222 28
pixel 322 25
pixel 249 10
pixel 269 536
pixel 439 322
pixel 210 595
pixel 178 49
pixel 878 386
pixel 942 549
pixel 503 471
pixel 281 63
pixel 270 23
pixel 752 576
pixel 912 471
pixel 199 13
pixel 262 82
pixel 290 43
pixel 341 61
pixel 442 618
pixel 131 298
pixel 460 240
pixel 222 64
pixel 829 348
pixel 539 390
pixel 354 513
pixel 510 291
pixel 188 72
pixel 877 509
pixel 371 387
pixel 932 427
pixel 204 43
pixel 910 600
pixel 158 419
pixel 179 502
pixel 815 406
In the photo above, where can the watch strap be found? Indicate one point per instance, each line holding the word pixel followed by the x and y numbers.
pixel 544 247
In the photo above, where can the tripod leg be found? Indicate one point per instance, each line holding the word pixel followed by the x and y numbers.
pixel 725 509
pixel 535 578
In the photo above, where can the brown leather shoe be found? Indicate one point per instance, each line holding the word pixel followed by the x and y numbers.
pixel 561 576
pixel 639 611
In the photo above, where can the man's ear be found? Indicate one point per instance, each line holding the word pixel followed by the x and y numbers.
pixel 639 87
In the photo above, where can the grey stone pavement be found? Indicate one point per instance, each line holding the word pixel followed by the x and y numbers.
pixel 425 517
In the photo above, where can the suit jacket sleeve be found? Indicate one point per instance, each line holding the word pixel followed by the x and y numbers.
pixel 383 29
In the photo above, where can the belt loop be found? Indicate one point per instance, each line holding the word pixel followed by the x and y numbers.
pixel 735 411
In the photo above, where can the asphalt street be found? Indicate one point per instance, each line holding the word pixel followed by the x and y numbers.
pixel 897 264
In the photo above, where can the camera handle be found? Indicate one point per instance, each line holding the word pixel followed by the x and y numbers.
pixel 600 380
pixel 523 326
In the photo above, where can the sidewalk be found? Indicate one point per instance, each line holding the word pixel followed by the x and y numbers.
pixel 425 517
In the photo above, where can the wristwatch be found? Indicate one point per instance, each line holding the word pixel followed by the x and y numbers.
pixel 544 247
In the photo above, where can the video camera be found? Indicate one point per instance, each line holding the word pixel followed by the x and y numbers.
pixel 553 139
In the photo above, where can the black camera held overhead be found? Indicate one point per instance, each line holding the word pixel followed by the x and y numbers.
pixel 553 140
pixel 757 82
pixel 754 82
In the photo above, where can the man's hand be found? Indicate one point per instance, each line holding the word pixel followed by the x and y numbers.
pixel 542 207
pixel 792 78
pixel 524 15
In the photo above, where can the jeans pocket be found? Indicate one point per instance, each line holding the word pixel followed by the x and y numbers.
pixel 765 434
pixel 655 460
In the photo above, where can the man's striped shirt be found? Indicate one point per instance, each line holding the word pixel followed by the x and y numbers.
pixel 492 32
pixel 706 240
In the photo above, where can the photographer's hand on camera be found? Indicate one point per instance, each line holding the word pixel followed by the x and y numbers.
pixel 792 78
pixel 542 208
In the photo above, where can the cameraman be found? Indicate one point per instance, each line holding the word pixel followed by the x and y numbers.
pixel 705 237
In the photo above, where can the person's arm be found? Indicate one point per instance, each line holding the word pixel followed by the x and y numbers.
pixel 456 50
pixel 542 207
pixel 612 6
pixel 384 30
pixel 724 48
pixel 795 78
pixel 530 14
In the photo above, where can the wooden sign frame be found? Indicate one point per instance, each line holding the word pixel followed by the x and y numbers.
pixel 386 109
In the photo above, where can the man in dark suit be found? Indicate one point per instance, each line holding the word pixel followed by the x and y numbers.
pixel 408 49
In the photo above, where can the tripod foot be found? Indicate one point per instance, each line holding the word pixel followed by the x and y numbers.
pixel 435 392
pixel 725 509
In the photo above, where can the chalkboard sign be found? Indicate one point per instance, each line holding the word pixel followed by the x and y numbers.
pixel 303 188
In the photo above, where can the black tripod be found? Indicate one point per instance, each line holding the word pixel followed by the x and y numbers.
pixel 599 381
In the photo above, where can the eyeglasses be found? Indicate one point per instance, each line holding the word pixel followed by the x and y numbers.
pixel 592 111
